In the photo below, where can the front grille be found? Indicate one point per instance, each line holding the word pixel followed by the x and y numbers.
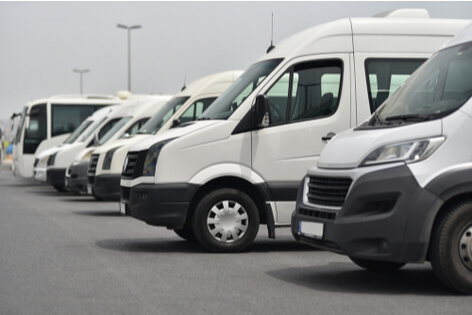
pixel 328 191
pixel 134 164
pixel 329 216
pixel 92 168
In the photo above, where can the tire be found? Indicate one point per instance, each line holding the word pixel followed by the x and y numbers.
pixel 377 265
pixel 240 218
pixel 186 233
pixel 450 248
pixel 60 188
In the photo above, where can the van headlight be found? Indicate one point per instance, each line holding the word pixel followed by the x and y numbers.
pixel 408 152
pixel 87 155
pixel 108 157
pixel 150 162
pixel 51 159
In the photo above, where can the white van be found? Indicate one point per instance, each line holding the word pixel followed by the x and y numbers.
pixel 86 127
pixel 48 122
pixel 398 188
pixel 118 121
pixel 189 104
pixel 240 164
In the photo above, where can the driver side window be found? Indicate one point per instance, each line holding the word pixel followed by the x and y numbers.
pixel 306 91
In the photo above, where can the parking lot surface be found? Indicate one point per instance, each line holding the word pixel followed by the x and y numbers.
pixel 62 253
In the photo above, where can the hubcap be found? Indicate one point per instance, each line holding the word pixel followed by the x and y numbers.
pixel 227 221
pixel 465 248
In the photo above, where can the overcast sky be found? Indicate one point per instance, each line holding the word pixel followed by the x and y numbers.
pixel 42 42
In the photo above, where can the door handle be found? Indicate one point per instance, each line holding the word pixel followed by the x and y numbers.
pixel 328 136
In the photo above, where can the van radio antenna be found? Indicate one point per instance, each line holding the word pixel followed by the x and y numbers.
pixel 271 36
pixel 185 79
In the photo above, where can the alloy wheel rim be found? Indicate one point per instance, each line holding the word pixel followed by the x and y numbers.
pixel 227 221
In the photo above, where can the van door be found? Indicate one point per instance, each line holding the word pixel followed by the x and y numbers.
pixel 309 103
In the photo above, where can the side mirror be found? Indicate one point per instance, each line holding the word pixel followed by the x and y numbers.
pixel 261 113
pixel 175 123
pixel 125 135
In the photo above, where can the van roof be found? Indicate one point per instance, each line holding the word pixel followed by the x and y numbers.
pixel 342 35
pixel 212 83
pixel 77 99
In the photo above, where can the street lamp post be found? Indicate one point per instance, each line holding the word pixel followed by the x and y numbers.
pixel 81 72
pixel 129 28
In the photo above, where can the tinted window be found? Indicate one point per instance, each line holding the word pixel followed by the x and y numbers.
pixel 196 109
pixel 230 100
pixel 162 116
pixel 66 118
pixel 384 76
pixel 439 87
pixel 36 131
pixel 306 91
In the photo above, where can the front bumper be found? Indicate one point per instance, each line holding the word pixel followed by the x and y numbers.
pixel 56 177
pixel 386 216
pixel 158 205
pixel 40 174
pixel 107 187
pixel 76 178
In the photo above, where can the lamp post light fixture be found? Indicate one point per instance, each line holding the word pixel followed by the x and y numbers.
pixel 129 28
pixel 81 72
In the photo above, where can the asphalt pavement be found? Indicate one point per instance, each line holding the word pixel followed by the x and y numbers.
pixel 62 253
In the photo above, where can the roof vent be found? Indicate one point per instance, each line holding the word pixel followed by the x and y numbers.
pixel 405 14
pixel 123 95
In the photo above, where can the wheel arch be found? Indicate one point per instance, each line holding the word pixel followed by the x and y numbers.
pixel 450 195
pixel 257 192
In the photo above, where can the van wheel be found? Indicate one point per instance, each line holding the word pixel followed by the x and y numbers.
pixel 60 188
pixel 186 233
pixel 377 265
pixel 226 220
pixel 451 248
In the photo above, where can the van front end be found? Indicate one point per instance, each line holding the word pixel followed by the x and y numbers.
pixel 375 213
pixel 154 203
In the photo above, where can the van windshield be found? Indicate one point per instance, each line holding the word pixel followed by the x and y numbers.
pixel 163 115
pixel 438 88
pixel 110 133
pixel 84 125
pixel 230 100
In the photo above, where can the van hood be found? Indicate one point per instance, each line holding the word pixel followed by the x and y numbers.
pixel 51 151
pixel 349 148
pixel 174 133
pixel 121 142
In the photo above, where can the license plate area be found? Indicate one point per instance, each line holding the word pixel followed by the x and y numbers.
pixel 311 229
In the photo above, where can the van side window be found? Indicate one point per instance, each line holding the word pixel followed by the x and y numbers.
pixel 136 126
pixel 196 109
pixel 107 127
pixel 306 91
pixel 66 118
pixel 384 76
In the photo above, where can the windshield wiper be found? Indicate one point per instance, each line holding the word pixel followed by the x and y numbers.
pixel 203 118
pixel 409 117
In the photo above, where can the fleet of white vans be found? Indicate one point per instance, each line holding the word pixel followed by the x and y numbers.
pixel 389 165
pixel 78 135
pixel 123 119
pixel 107 160
pixel 239 165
